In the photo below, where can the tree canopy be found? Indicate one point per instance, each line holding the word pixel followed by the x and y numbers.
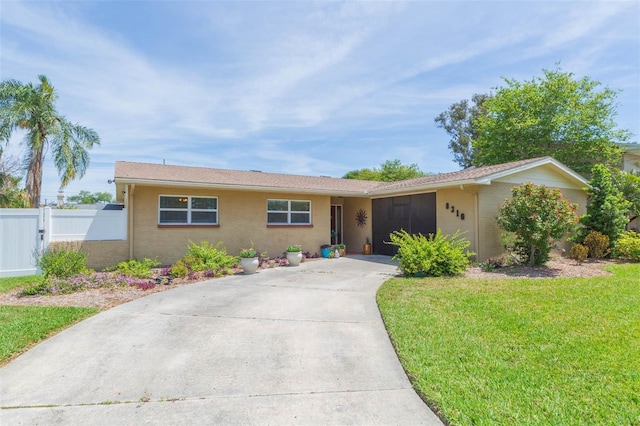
pixel 458 121
pixel 554 115
pixel 11 195
pixel 86 197
pixel 389 171
pixel 628 183
pixel 32 109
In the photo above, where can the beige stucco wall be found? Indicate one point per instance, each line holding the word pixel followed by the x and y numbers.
pixel 101 254
pixel 464 202
pixel 356 236
pixel 491 197
pixel 631 161
pixel 242 220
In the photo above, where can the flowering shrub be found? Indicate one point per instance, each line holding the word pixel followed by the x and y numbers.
pixel 537 215
pixel 433 256
pixel 63 260
pixel 85 282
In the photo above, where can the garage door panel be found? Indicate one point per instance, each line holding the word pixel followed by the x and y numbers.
pixel 414 213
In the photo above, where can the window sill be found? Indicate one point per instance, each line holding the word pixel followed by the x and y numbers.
pixel 290 226
pixel 188 226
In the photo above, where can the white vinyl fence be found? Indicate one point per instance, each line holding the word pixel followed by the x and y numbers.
pixel 25 233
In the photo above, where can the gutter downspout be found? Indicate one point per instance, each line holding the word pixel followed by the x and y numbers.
pixel 476 219
pixel 130 189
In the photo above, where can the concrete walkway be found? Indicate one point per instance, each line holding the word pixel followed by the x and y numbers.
pixel 290 345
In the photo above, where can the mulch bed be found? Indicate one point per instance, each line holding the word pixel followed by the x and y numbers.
pixel 106 298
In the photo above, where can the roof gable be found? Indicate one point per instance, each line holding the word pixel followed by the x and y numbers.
pixel 480 176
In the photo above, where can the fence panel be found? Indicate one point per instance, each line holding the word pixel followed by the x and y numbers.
pixel 88 225
pixel 19 241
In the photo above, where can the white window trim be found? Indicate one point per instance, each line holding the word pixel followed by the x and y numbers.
pixel 289 212
pixel 188 210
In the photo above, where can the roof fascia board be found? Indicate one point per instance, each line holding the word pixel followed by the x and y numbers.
pixel 423 188
pixel 402 194
pixel 487 179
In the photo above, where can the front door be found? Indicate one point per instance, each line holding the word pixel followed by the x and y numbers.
pixel 336 224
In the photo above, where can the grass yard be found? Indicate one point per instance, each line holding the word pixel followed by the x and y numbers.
pixel 521 351
pixel 7 284
pixel 23 326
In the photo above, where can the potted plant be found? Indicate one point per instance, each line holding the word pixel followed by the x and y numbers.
pixel 342 249
pixel 366 247
pixel 294 255
pixel 249 260
pixel 325 249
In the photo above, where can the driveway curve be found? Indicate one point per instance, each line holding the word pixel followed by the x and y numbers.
pixel 290 345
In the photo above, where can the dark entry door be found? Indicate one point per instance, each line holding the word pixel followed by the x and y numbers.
pixel 413 213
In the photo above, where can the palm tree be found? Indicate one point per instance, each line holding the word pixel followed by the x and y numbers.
pixel 32 108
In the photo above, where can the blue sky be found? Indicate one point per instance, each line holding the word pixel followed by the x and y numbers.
pixel 318 88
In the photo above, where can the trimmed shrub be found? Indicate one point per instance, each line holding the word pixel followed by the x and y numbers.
pixel 579 253
pixel 628 246
pixel 63 260
pixel 498 262
pixel 135 268
pixel 433 256
pixel 179 270
pixel 208 256
pixel 598 244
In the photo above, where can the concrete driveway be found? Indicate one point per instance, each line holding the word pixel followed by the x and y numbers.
pixel 290 345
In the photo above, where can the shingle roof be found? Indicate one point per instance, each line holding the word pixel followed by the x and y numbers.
pixel 160 174
pixel 476 174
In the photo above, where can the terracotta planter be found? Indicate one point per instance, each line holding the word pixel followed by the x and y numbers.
pixel 366 249
pixel 294 258
pixel 342 252
pixel 249 264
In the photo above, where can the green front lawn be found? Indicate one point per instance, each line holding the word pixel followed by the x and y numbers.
pixel 23 326
pixel 521 351
pixel 8 284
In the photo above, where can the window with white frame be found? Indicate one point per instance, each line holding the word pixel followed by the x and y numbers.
pixel 187 210
pixel 288 212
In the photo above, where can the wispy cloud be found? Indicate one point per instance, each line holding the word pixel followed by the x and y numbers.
pixel 350 84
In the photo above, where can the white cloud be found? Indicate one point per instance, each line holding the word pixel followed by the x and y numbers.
pixel 207 84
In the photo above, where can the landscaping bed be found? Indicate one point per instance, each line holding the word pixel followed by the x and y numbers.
pixel 106 298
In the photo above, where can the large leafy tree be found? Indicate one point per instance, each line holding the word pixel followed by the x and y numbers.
pixel 86 197
pixel 11 195
pixel 555 115
pixel 32 109
pixel 389 171
pixel 628 184
pixel 458 121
